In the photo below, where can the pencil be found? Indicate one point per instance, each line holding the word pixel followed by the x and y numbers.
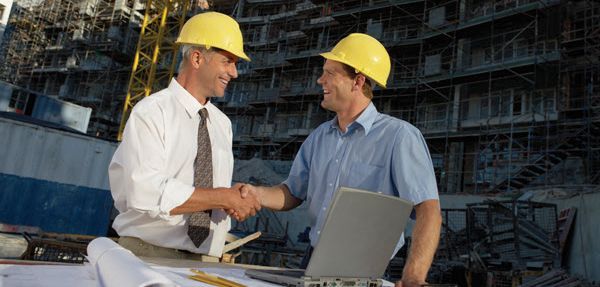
pixel 213 280
pixel 208 281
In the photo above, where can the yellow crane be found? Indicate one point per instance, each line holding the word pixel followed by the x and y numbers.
pixel 156 53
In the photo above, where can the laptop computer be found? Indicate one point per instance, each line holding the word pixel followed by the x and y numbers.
pixel 356 243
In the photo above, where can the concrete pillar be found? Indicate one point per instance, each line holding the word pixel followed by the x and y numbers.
pixel 454 168
pixel 309 112
pixel 462 52
pixel 387 106
pixel 263 32
pixel 6 90
pixel 273 76
pixel 267 116
pixel 321 40
pixel 316 73
pixel 462 10
pixel 455 109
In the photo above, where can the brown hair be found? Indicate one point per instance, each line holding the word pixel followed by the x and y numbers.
pixel 367 88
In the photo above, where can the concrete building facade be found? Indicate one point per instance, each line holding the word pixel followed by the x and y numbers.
pixel 5 7
pixel 507 93
pixel 77 51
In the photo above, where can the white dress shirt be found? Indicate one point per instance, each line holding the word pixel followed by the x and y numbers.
pixel 152 170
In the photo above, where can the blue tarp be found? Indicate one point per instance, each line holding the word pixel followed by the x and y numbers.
pixel 54 207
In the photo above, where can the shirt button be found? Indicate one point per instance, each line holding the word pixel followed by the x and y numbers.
pixel 324 208
pixel 331 184
pixel 319 232
pixel 337 160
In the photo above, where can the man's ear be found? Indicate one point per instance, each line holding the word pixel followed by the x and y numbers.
pixel 197 58
pixel 359 82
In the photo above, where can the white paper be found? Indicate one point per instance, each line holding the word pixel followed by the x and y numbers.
pixel 179 276
pixel 116 266
pixel 45 276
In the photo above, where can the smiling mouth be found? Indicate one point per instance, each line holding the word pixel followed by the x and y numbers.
pixel 224 82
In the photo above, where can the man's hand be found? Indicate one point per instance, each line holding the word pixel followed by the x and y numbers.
pixel 425 238
pixel 277 197
pixel 409 283
pixel 249 190
pixel 243 205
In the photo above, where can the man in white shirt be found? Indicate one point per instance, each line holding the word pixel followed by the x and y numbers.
pixel 170 176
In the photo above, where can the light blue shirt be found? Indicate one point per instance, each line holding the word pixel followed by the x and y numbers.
pixel 377 152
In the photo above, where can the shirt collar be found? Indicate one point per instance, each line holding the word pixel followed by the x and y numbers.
pixel 366 119
pixel 191 105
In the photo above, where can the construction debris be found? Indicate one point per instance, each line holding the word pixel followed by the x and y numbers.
pixel 554 278
pixel 565 222
pixel 516 234
pixel 56 247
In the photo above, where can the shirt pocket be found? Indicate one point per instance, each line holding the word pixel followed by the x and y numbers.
pixel 364 176
pixel 222 167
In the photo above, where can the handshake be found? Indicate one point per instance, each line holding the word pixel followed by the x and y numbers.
pixel 244 200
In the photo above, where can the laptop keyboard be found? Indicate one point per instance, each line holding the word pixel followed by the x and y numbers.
pixel 289 273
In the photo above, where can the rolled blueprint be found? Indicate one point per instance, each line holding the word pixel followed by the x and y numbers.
pixel 116 266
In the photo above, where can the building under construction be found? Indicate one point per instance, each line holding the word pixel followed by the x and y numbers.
pixel 77 51
pixel 507 93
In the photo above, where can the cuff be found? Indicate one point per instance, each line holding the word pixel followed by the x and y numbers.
pixel 174 195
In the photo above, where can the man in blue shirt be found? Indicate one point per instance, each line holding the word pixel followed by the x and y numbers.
pixel 362 148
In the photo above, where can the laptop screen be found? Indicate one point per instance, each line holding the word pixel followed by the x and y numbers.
pixel 359 234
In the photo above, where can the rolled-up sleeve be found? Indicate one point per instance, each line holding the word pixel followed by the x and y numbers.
pixel 137 171
pixel 412 168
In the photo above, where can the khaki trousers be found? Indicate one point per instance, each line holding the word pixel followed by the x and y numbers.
pixel 142 248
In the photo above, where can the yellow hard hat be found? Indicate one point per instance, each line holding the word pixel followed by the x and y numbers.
pixel 213 29
pixel 365 54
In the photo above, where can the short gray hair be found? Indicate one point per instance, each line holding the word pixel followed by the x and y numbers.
pixel 186 51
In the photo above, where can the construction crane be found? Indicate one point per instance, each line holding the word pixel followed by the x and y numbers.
pixel 156 53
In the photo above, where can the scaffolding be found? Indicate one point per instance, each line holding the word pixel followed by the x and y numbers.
pixel 156 53
pixel 506 93
pixel 78 51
